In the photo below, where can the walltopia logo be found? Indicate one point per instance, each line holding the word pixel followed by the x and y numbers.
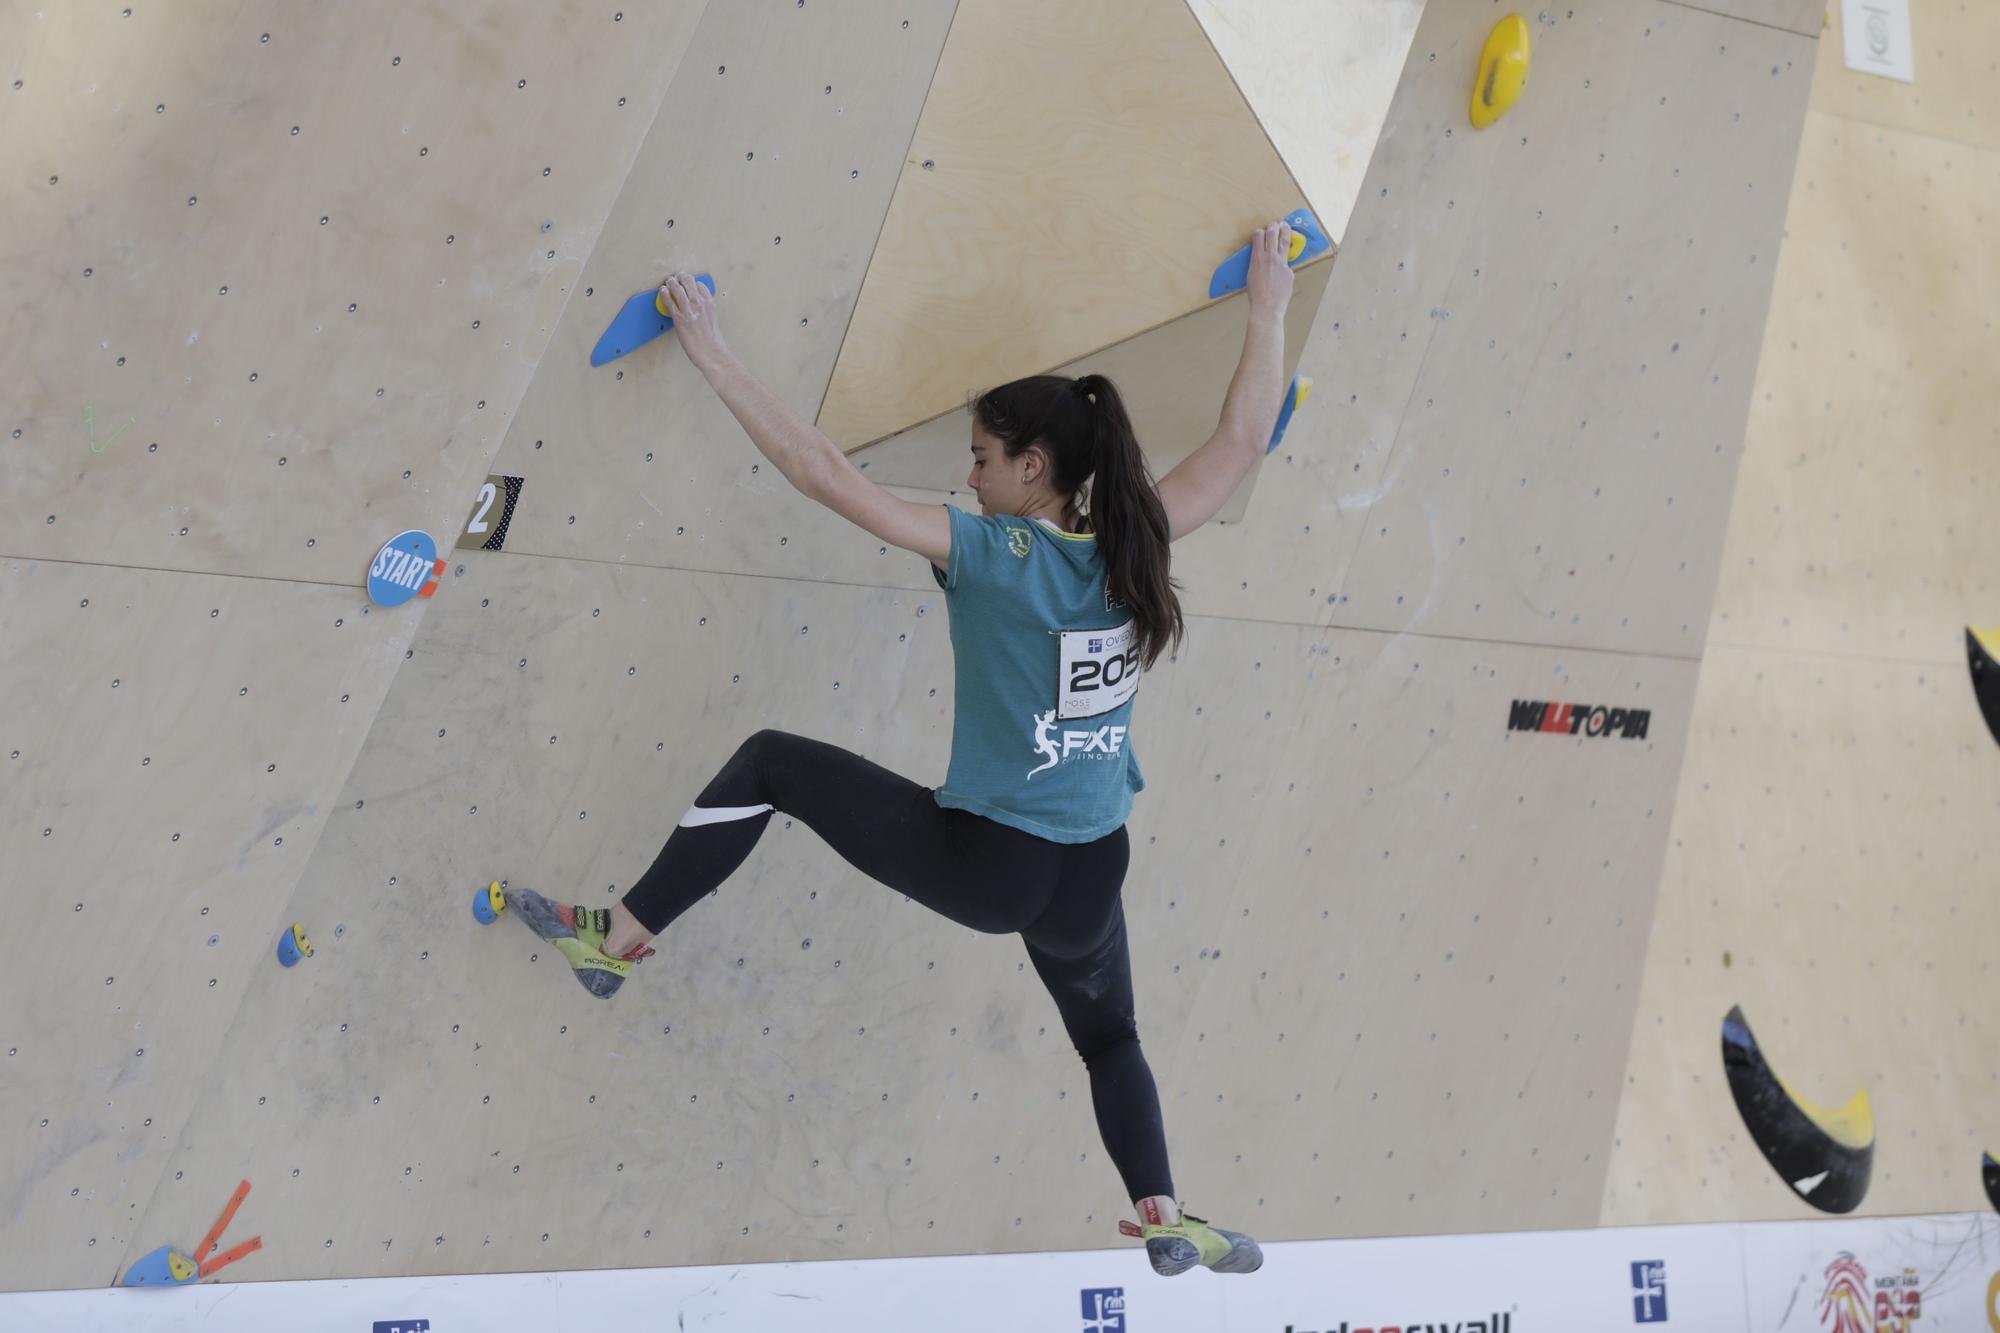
pixel 1579 719
pixel 1492 1323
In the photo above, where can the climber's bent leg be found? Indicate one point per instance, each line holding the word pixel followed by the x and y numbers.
pixel 976 871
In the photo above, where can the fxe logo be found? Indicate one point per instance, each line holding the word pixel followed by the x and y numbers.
pixel 1579 719
pixel 1104 740
pixel 1493 1323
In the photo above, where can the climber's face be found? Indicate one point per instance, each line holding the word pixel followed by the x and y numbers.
pixel 1004 485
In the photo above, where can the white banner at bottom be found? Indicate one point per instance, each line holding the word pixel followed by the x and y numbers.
pixel 1938 1274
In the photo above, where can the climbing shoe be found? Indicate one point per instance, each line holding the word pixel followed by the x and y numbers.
pixel 578 933
pixel 1192 1241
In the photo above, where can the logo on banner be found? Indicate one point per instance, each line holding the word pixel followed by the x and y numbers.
pixel 1496 1322
pixel 407 566
pixel 1852 1303
pixel 1104 1310
pixel 1649 1291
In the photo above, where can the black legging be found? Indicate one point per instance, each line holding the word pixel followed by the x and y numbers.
pixel 1063 899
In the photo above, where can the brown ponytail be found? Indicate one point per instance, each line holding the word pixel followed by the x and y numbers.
pixel 1083 425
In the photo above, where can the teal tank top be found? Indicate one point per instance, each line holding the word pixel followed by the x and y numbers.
pixel 1046 665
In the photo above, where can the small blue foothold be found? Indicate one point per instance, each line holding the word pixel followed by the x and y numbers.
pixel 164 1267
pixel 1293 397
pixel 488 903
pixel 293 945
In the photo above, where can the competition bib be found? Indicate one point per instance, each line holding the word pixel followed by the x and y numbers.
pixel 1100 670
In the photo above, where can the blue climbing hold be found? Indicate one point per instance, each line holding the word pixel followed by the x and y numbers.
pixel 293 946
pixel 637 324
pixel 1295 398
pixel 1234 272
pixel 488 903
pixel 164 1267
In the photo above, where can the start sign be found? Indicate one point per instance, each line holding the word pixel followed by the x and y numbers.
pixel 407 566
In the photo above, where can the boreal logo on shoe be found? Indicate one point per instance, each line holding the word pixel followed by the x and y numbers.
pixel 1104 1310
pixel 1492 1323
pixel 1579 719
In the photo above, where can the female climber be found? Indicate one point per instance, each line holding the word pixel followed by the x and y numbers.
pixel 1056 607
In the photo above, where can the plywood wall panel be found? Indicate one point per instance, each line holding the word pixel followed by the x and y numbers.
pixel 1831 871
pixel 1874 461
pixel 1954 98
pixel 175 748
pixel 1319 75
pixel 270 327
pixel 1804 17
pixel 1536 352
pixel 1831 862
pixel 1076 178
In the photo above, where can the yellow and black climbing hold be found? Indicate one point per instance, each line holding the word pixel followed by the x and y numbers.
pixel 1982 647
pixel 1826 1156
pixel 489 903
pixel 293 946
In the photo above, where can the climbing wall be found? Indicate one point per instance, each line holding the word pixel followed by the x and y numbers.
pixel 1833 859
pixel 1534 357
pixel 1388 912
pixel 319 261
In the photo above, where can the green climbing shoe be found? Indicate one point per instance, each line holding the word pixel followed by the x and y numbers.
pixel 578 932
pixel 1192 1241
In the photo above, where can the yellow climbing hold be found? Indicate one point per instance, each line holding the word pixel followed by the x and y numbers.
pixel 1503 71
pixel 1852 1126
